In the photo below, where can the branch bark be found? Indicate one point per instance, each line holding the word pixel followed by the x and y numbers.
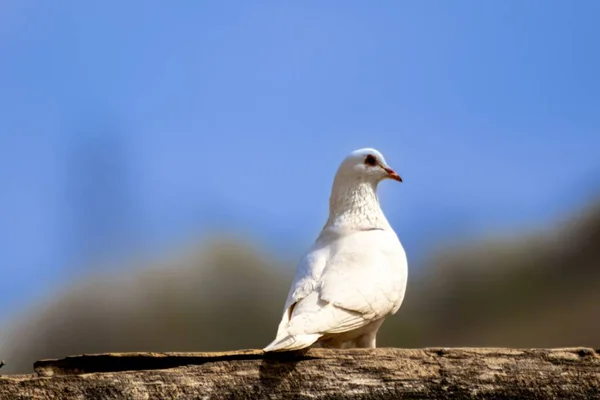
pixel 384 373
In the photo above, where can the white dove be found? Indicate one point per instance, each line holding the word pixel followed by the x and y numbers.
pixel 355 273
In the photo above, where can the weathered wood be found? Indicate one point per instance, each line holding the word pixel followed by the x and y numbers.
pixel 385 373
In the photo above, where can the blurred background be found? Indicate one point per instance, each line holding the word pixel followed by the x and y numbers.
pixel 163 167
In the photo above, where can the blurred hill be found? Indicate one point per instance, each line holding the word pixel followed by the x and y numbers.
pixel 536 290
pixel 530 290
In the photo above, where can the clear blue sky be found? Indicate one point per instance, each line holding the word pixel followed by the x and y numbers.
pixel 236 114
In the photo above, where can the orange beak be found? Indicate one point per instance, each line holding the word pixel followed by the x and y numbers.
pixel 392 174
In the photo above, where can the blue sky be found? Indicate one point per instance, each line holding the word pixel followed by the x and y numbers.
pixel 236 115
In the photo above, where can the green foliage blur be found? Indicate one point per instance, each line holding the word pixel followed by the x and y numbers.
pixel 536 290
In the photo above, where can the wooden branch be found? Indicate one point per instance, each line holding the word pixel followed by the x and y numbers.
pixel 385 373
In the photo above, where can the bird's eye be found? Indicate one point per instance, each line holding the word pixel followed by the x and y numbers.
pixel 371 160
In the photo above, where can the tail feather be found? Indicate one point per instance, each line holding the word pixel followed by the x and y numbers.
pixel 291 343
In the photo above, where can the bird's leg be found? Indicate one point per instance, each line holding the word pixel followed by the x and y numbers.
pixel 367 341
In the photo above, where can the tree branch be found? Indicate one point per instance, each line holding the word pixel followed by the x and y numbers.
pixel 384 373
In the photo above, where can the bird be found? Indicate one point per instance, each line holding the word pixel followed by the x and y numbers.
pixel 355 273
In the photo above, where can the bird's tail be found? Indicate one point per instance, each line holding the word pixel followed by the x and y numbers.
pixel 291 343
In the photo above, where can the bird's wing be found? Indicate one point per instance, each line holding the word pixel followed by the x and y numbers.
pixel 364 279
pixel 304 283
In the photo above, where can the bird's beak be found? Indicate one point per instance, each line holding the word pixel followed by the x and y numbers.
pixel 392 174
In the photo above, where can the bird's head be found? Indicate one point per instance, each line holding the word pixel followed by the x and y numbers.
pixel 367 164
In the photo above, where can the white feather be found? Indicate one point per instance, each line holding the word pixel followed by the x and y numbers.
pixel 355 274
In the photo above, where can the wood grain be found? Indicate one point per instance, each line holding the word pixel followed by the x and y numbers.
pixel 384 373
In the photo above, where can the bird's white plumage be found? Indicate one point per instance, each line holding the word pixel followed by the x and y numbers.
pixel 355 273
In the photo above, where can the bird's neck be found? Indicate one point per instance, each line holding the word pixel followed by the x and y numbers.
pixel 354 206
